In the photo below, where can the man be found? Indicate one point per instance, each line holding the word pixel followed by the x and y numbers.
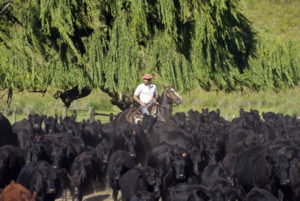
pixel 145 93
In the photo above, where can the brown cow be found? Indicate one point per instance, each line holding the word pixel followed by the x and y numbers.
pixel 17 192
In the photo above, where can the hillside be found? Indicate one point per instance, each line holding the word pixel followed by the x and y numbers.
pixel 273 18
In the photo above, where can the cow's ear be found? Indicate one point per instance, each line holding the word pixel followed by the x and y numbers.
pixel 189 147
pixel 158 171
pixel 270 159
pixel 172 155
pixel 61 172
pixel 289 155
pixel 29 116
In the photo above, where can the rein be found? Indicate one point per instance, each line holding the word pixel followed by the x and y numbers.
pixel 165 106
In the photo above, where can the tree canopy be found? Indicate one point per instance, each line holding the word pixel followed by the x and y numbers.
pixel 109 44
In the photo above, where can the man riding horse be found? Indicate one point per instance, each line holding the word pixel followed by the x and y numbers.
pixel 146 96
pixel 145 93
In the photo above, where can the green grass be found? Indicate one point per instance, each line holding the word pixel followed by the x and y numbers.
pixel 285 101
pixel 25 103
pixel 273 18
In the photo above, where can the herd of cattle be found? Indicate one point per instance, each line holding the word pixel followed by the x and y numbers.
pixel 198 156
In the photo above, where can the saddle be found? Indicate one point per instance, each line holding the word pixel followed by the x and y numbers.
pixel 153 109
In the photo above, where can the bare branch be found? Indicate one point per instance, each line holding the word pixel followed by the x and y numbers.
pixel 8 3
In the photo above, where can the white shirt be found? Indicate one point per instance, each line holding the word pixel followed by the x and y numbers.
pixel 145 92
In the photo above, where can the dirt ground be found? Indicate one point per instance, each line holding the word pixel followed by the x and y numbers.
pixel 98 196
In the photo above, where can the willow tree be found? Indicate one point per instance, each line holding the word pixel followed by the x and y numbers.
pixel 109 44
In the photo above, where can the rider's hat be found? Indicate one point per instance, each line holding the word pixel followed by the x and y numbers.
pixel 147 76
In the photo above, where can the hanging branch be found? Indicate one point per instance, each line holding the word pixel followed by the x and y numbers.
pixel 7 4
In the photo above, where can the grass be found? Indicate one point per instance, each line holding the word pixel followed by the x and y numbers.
pixel 25 103
pixel 273 18
pixel 285 101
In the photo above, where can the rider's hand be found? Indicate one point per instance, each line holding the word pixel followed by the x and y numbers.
pixel 143 104
pixel 154 101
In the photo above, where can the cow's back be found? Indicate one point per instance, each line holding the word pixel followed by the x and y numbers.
pixel 16 192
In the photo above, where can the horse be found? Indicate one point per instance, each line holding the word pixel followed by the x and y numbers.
pixel 132 115
pixel 162 109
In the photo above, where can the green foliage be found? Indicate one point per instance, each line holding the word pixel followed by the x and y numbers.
pixel 276 66
pixel 110 44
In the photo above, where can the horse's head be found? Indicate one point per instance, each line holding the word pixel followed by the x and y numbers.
pixel 172 95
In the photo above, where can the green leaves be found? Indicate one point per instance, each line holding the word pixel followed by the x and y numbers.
pixel 110 44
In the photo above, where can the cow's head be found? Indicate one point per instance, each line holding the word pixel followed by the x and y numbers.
pixel 103 151
pixel 58 156
pixel 50 176
pixel 198 159
pixel 130 141
pixel 36 122
pixel 179 163
pixel 50 124
pixel 280 168
pixel 153 179
pixel 117 171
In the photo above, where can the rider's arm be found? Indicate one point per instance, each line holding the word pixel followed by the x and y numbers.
pixel 155 97
pixel 136 98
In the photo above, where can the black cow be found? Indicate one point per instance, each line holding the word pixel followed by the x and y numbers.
pixel 51 125
pixel 11 163
pixel 175 162
pixel 140 179
pixel 199 159
pixel 295 178
pixel 38 152
pixel 93 134
pixel 223 190
pixel 258 194
pixel 143 196
pixel 28 131
pixel 261 167
pixel 187 192
pixel 65 151
pixel 84 175
pixel 124 140
pixel 119 163
pixel 170 133
pixel 42 178
pixel 7 137
pixel 70 95
pixel 131 138
pixel 103 152
pixel 211 174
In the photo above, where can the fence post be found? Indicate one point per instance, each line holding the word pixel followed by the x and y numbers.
pixel 6 111
pixel 74 113
pixel 64 112
pixel 28 111
pixel 53 112
pixel 14 119
pixel 91 114
pixel 111 117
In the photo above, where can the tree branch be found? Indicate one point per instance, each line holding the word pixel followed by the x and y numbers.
pixel 8 3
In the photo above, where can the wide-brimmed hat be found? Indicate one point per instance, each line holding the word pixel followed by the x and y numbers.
pixel 147 76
